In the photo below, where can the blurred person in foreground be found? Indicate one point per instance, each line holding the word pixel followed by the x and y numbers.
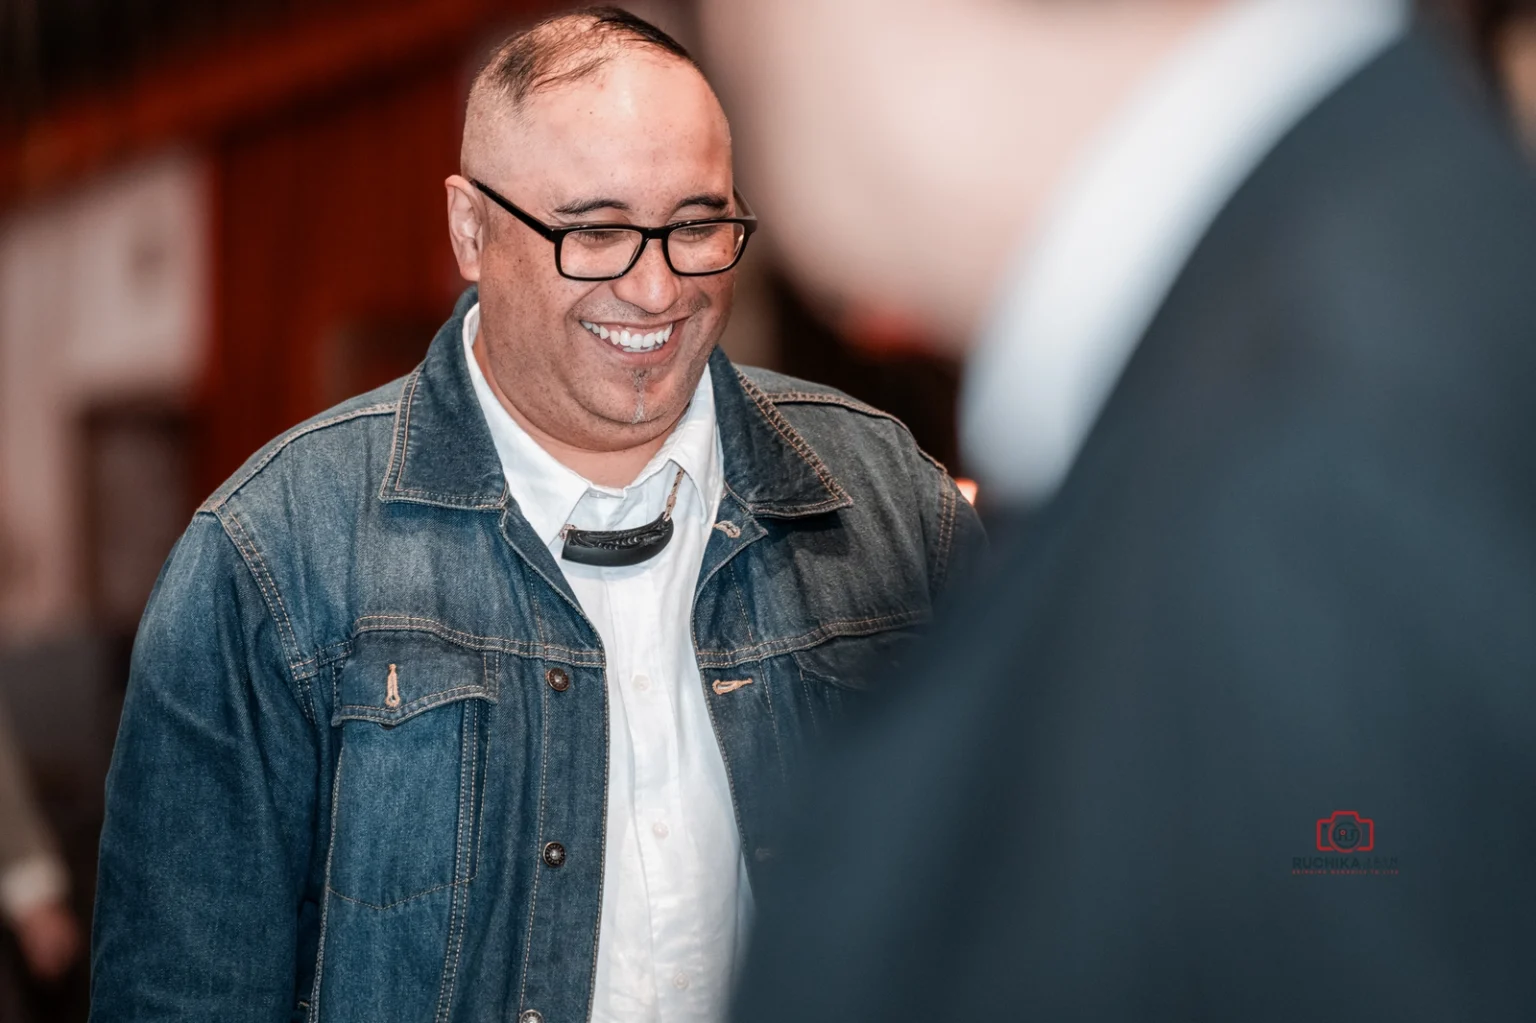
pixel 34 884
pixel 474 698
pixel 1243 725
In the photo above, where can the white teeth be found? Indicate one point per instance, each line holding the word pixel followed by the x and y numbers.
pixel 635 342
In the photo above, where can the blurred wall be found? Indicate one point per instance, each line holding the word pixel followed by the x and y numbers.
pixel 329 244
pixel 102 297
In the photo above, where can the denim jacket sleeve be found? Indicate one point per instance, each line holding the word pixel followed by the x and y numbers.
pixel 211 800
pixel 956 540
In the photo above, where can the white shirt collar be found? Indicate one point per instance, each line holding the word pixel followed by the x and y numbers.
pixel 548 492
pixel 1086 289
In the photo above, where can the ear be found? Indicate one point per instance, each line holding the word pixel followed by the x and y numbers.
pixel 466 228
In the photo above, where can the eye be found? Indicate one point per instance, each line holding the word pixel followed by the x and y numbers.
pixel 601 238
pixel 698 233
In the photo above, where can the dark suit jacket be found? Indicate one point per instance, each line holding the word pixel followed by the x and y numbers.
pixel 1293 572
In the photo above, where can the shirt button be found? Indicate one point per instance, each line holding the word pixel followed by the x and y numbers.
pixel 680 980
pixel 643 683
pixel 530 1016
pixel 554 854
pixel 558 680
pixel 659 829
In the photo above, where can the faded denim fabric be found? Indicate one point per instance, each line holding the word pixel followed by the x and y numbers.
pixel 364 701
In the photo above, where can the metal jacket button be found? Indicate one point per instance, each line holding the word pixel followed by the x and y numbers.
pixel 558 680
pixel 554 854
pixel 530 1016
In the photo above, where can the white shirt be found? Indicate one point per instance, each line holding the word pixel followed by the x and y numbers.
pixel 1085 290
pixel 676 902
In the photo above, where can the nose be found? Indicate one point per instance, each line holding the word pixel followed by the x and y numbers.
pixel 650 284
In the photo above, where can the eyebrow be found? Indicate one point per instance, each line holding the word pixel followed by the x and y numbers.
pixel 577 208
pixel 709 200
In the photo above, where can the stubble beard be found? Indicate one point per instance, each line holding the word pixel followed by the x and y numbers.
pixel 639 376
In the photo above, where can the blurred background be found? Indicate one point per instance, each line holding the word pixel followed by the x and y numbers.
pixel 215 221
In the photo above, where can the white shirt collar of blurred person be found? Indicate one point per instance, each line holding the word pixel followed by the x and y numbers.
pixel 550 494
pixel 1083 292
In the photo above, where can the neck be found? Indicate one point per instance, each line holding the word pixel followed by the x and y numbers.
pixel 615 468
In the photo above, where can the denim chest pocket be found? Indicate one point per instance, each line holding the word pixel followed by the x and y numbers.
pixel 837 677
pixel 410 708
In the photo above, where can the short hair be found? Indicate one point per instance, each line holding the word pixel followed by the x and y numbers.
pixel 567 48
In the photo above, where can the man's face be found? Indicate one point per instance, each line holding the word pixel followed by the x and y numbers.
pixel 643 142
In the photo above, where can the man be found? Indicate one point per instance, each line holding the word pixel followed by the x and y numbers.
pixel 1242 725
pixel 473 699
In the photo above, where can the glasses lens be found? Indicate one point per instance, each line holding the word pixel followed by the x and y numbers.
pixel 599 252
pixel 705 248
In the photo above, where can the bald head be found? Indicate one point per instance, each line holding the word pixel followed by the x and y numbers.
pixel 560 50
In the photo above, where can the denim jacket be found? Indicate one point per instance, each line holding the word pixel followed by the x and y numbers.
pixel 364 699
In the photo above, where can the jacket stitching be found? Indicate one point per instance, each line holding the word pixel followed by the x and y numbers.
pixel 451 500
pixel 230 489
pixel 398 902
pixel 602 841
pixel 495 669
pixel 369 712
pixel 392 473
pixel 538 616
pixel 523 648
pixel 401 444
pixel 948 495
pixel 818 398
pixel 307 698
pixel 773 724
pixel 810 702
pixel 538 872
pixel 325 907
pixel 709 658
pixel 828 630
pixel 457 913
pixel 257 566
pixel 791 437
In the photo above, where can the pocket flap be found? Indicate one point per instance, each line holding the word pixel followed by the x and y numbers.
pixel 393 676
pixel 857 662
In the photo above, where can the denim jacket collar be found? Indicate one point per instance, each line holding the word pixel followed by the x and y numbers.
pixel 443 454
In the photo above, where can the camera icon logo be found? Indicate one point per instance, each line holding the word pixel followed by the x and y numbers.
pixel 1345 831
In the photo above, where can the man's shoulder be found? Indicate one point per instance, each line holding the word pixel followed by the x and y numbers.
pixel 334 446
pixel 783 389
pixel 826 414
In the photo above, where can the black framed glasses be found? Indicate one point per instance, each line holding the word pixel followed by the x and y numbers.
pixel 604 252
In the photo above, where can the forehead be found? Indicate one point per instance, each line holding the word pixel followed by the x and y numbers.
pixel 641 126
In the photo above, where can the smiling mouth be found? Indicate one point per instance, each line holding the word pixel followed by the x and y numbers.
pixel 631 341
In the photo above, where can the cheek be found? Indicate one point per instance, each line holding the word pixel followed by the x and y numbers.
pixel 716 296
pixel 535 301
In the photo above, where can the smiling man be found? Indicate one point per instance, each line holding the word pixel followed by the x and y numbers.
pixel 475 697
